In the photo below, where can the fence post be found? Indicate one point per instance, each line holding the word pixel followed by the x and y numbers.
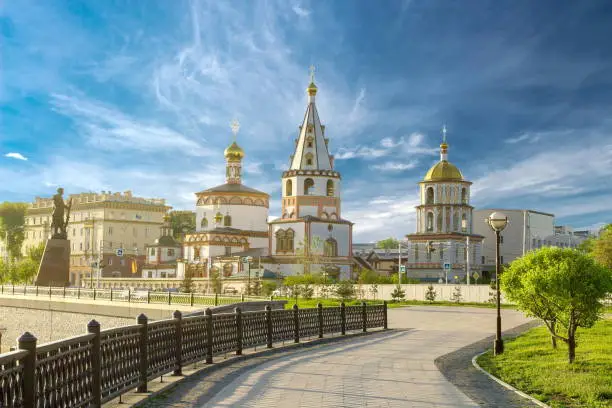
pixel 343 318
pixel 385 322
pixel 36 290
pixel 216 299
pixel 129 295
pixel 144 363
pixel 169 297
pixel 111 295
pixel 79 292
pixel 28 342
pixel 191 299
pixel 364 316
pixel 148 296
pixel 209 336
pixel 49 291
pixel 296 324
pixel 269 326
pixel 178 318
pixel 94 294
pixel 64 291
pixel 320 310
pixel 25 288
pixel 238 331
pixel 242 297
pixel 96 366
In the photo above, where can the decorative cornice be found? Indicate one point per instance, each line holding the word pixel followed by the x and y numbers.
pixel 444 205
pixel 322 173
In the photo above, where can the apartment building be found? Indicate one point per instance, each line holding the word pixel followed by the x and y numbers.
pixel 101 223
pixel 526 230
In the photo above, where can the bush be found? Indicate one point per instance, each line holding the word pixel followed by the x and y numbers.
pixel 431 294
pixel 345 290
pixel 268 287
pixel 398 294
pixel 457 296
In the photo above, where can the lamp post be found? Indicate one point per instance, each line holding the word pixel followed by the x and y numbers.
pixel 497 221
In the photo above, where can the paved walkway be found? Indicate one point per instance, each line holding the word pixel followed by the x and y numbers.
pixel 390 369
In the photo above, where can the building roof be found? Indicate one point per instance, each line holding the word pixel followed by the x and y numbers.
pixel 443 171
pixel 310 218
pixel 311 143
pixel 232 188
pixel 166 241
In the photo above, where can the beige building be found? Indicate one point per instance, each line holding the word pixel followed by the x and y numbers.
pixel 526 230
pixel 101 223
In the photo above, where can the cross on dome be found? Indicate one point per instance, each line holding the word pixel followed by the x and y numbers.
pixel 235 125
pixel 312 73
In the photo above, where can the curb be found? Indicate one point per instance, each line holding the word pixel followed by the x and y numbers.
pixel 504 384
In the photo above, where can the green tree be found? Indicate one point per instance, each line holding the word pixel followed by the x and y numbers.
pixel 187 283
pixel 457 296
pixel 310 255
pixel 182 222
pixel 217 285
pixel 26 270
pixel 35 253
pixel 388 243
pixel 345 290
pixel 12 221
pixel 268 287
pixel 602 247
pixel 430 294
pixel 398 294
pixel 562 287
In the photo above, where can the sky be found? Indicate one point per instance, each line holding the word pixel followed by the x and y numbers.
pixel 139 95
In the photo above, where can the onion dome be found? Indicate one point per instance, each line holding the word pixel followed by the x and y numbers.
pixel 234 152
pixel 444 171
pixel 312 89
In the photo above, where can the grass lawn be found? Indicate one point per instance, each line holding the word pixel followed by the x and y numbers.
pixel 530 364
pixel 333 302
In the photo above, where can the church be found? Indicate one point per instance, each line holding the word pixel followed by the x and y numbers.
pixel 444 247
pixel 234 240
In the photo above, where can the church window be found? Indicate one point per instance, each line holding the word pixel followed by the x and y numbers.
pixel 280 240
pixel 464 223
pixel 289 240
pixel 416 253
pixel 456 221
pixel 331 247
pixel 218 218
pixel 309 159
pixel 439 222
pixel 464 196
pixel 441 253
pixel 308 186
pixel 228 251
pixel 204 223
pixel 170 252
pixel 330 188
pixel 152 251
pixel 430 221
pixel 227 221
pixel 429 195
pixel 309 142
pixel 289 188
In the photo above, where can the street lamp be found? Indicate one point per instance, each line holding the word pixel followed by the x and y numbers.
pixel 497 221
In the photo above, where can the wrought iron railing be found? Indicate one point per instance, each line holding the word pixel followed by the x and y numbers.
pixel 90 369
pixel 128 295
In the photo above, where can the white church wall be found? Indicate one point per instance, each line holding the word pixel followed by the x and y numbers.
pixel 245 217
pixel 308 210
pixel 320 185
pixel 340 233
pixel 298 229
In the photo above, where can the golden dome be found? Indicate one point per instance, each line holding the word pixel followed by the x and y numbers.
pixel 312 88
pixel 443 171
pixel 234 152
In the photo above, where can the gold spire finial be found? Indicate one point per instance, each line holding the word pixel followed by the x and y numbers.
pixel 444 134
pixel 312 88
pixel 235 125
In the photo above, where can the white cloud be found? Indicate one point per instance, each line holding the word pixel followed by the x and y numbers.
pixel 107 128
pixel 525 137
pixel 394 166
pixel 300 11
pixel 17 156
pixel 413 145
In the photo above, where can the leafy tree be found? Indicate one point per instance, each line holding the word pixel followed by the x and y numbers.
pixel 430 294
pixel 217 285
pixel 457 296
pixel 12 220
pixel 388 243
pixel 562 287
pixel 602 247
pixel 345 290
pixel 182 222
pixel 26 270
pixel 492 293
pixel 398 294
pixel 311 258
pixel 374 290
pixel 35 253
pixel 187 283
pixel 268 287
pixel 4 271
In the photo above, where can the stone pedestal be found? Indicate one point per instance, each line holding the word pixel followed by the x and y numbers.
pixel 54 269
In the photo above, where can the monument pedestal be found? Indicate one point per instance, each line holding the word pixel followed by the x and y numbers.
pixel 54 269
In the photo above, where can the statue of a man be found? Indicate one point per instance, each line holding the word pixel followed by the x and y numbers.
pixel 58 225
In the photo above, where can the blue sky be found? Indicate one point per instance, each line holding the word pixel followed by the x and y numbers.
pixel 139 94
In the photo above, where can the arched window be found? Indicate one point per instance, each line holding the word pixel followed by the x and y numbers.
pixel 309 159
pixel 429 195
pixel 227 221
pixel 218 218
pixel 331 247
pixel 280 240
pixel 289 240
pixel 464 196
pixel 456 221
pixel 430 221
pixel 289 188
pixel 416 252
pixel 464 223
pixel 330 188
pixel 439 223
pixel 308 186
pixel 309 141
pixel 204 222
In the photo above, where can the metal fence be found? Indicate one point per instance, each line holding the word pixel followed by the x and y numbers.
pixel 96 367
pixel 129 295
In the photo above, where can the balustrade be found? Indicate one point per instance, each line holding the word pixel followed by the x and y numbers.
pixel 94 368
